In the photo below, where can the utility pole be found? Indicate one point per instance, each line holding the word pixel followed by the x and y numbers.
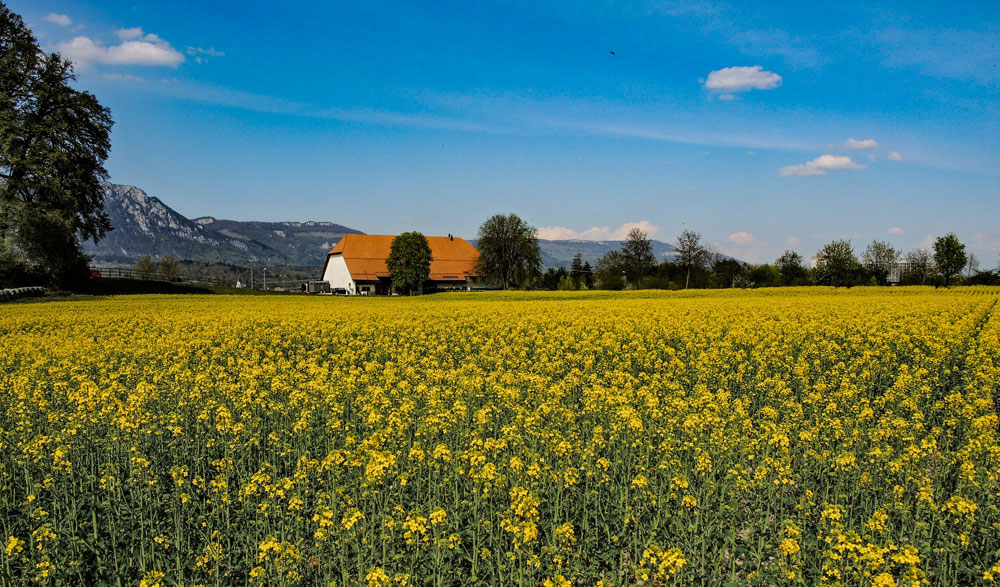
pixel 265 278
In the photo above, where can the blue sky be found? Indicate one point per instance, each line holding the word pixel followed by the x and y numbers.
pixel 763 126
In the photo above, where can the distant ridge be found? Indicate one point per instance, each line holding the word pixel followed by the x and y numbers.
pixel 145 225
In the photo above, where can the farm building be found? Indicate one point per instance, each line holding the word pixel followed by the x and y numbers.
pixel 356 265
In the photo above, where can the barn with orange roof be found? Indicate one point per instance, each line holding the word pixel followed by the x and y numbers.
pixel 356 265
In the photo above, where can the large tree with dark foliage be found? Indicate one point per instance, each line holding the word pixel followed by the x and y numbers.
pixel 637 253
pixel 53 143
pixel 610 271
pixel 949 256
pixel 789 265
pixel 508 250
pixel 837 266
pixel 409 261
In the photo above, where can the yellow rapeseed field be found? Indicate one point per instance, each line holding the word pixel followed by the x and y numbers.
pixel 799 436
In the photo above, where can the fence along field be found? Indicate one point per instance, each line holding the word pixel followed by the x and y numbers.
pixel 789 437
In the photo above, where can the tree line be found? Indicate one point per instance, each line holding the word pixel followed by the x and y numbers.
pixel 510 257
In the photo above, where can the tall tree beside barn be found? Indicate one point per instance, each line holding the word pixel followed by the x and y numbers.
pixel 508 250
pixel 53 143
pixel 409 261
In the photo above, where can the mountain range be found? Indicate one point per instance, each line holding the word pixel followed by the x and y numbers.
pixel 143 224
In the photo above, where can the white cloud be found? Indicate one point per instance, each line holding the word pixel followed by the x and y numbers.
pixel 743 245
pixel 872 157
pixel 895 230
pixel 596 233
pixel 895 156
pixel 741 79
pixel 136 49
pixel 820 165
pixel 855 144
pixel 792 241
pixel 741 238
pixel 59 19
pixel 130 34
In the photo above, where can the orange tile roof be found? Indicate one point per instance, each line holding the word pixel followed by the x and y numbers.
pixel 452 259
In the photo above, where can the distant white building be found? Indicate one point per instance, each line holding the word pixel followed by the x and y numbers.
pixel 356 265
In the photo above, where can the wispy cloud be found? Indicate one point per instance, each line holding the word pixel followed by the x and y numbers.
pixel 596 233
pixel 986 242
pixel 945 52
pixel 855 144
pixel 895 156
pixel 896 231
pixel 736 28
pixel 200 54
pixel 59 19
pixel 686 137
pixel 122 77
pixel 820 165
pixel 502 115
pixel 773 41
pixel 136 48
pixel 208 94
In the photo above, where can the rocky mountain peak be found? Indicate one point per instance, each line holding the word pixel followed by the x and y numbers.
pixel 145 225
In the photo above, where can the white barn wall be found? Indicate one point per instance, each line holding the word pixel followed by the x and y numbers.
pixel 337 273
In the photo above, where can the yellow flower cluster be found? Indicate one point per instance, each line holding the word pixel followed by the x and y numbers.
pixel 800 436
